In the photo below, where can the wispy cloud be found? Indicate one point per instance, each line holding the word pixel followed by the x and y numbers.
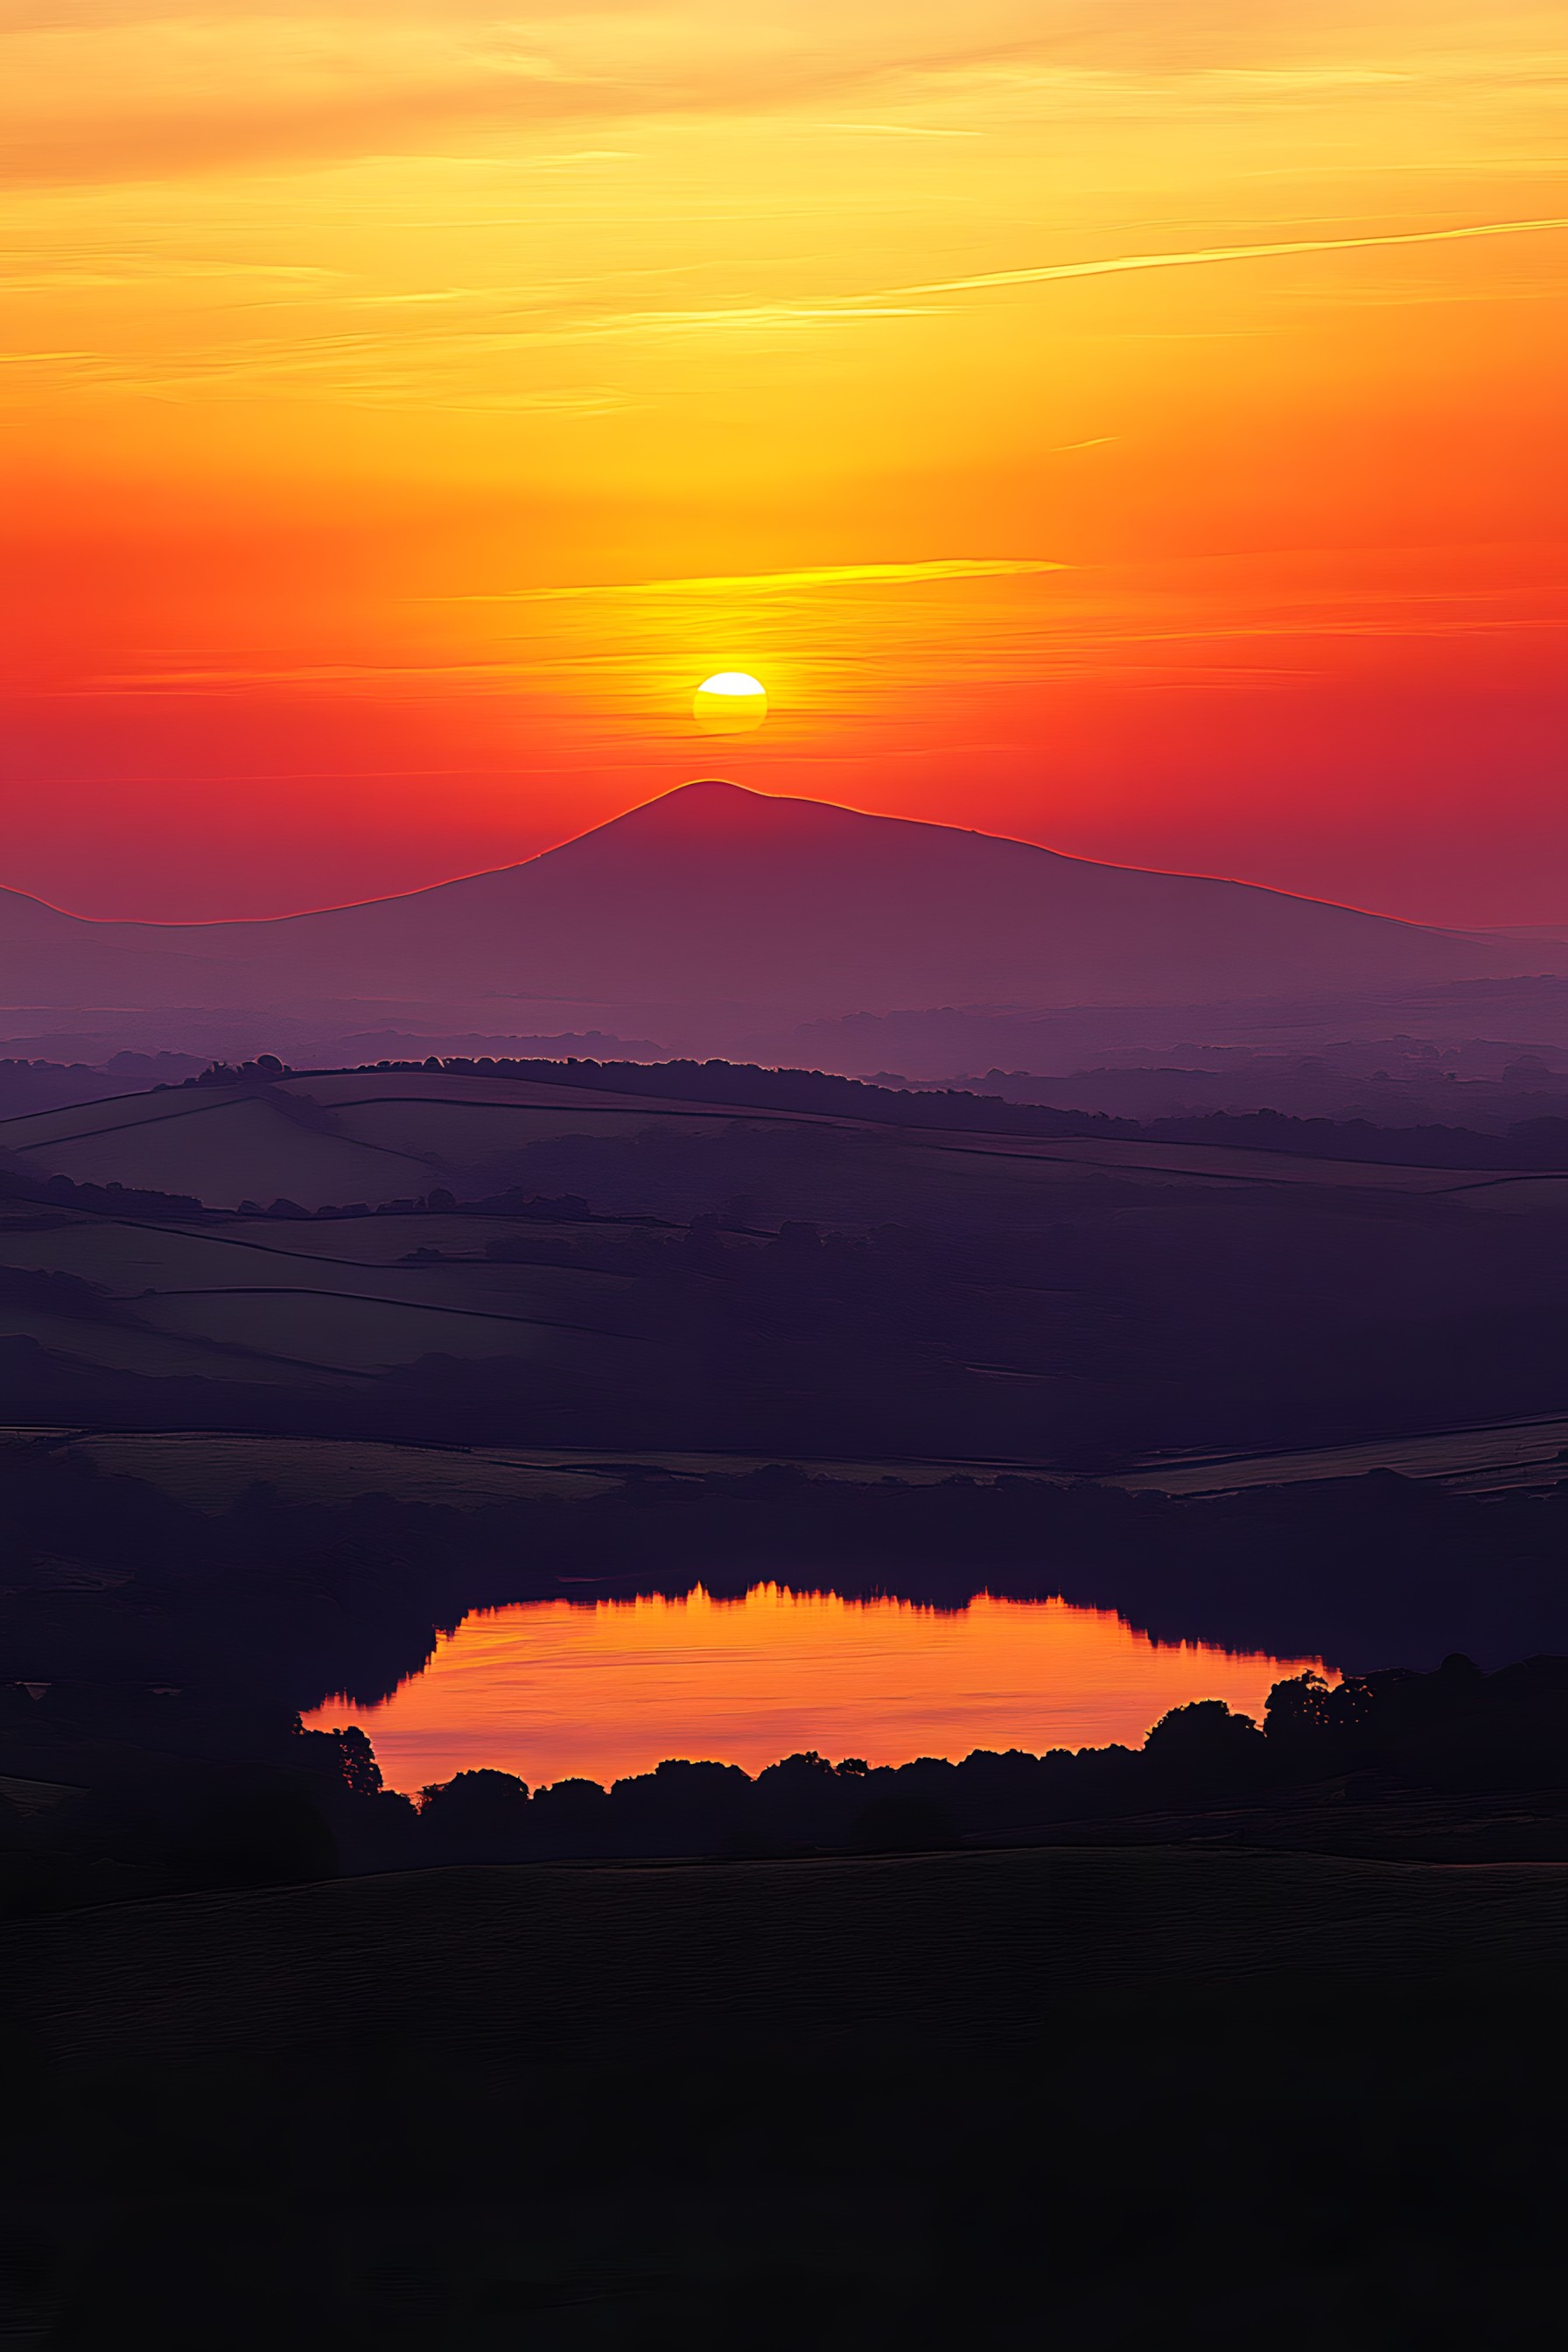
pixel 469 364
pixel 899 130
pixel 772 584
pixel 96 91
pixel 1198 256
pixel 99 92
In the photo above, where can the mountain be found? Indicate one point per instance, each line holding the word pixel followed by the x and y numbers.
pixel 713 900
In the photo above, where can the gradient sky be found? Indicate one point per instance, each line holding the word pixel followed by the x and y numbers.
pixel 1131 425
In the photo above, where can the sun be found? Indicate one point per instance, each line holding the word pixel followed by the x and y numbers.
pixel 730 703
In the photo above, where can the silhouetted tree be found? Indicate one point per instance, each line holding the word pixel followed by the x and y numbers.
pixel 479 1816
pixel 1205 1745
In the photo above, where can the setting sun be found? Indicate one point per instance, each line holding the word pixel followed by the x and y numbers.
pixel 730 703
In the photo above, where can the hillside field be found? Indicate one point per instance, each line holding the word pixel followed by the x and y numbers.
pixel 509 1262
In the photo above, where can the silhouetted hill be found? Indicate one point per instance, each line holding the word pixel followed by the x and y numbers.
pixel 714 899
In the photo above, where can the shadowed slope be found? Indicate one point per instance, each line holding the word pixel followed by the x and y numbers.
pixel 1100 2098
pixel 757 1946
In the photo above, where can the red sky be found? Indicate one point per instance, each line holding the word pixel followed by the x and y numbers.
pixel 410 406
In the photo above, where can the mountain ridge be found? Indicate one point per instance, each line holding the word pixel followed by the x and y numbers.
pixel 683 796
pixel 715 895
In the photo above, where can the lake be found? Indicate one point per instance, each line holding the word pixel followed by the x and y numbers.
pixel 557 1689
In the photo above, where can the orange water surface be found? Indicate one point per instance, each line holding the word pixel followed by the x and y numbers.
pixel 555 1689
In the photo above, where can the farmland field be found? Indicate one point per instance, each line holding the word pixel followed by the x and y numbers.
pixel 347 1136
pixel 515 1264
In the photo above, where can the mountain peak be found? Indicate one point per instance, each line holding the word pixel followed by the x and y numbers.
pixel 711 813
pixel 707 800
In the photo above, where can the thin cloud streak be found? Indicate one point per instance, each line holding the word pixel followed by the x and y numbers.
pixel 899 130
pixel 828 575
pixel 1202 255
pixel 279 362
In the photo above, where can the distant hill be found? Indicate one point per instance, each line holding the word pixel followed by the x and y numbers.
pixel 715 900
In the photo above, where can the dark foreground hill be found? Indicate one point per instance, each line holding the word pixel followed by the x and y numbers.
pixel 519 1959
pixel 1097 2098
pixel 714 901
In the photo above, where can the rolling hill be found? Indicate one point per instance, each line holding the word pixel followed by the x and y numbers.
pixel 714 901
pixel 335 1137
pixel 503 1260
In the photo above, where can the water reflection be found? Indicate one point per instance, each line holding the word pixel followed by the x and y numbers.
pixel 554 1689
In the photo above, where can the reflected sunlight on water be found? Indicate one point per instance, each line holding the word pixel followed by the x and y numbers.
pixel 553 1689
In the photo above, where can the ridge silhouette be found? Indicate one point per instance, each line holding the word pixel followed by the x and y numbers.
pixel 714 896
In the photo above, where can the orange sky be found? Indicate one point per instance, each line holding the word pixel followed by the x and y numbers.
pixel 408 402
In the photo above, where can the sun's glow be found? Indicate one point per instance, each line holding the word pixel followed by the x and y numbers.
pixel 730 703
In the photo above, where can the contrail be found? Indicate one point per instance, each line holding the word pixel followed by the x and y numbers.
pixel 1202 254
